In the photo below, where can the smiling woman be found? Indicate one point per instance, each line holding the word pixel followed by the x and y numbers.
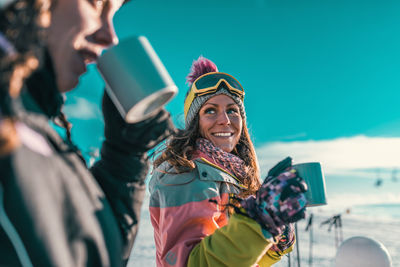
pixel 202 175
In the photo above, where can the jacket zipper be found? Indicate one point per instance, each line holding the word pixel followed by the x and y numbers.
pixel 12 234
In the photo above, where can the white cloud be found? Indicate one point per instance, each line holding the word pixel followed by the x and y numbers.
pixel 358 154
pixel 80 108
pixel 372 198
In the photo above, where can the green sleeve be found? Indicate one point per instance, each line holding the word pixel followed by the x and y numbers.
pixel 272 257
pixel 239 243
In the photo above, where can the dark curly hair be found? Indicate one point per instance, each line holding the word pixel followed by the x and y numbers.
pixel 20 25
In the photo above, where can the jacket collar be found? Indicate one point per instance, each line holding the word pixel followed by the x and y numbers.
pixel 211 172
pixel 205 171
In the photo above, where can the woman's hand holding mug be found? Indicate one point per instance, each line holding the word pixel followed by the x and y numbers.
pixel 280 199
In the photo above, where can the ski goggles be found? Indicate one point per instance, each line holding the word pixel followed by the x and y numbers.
pixel 209 83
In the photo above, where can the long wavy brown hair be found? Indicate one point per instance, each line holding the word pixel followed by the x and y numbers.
pixel 178 149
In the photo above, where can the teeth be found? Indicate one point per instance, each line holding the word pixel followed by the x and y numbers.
pixel 223 134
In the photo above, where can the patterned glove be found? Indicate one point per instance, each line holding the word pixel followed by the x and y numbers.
pixel 280 199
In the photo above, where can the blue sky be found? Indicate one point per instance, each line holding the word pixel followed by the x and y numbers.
pixel 321 77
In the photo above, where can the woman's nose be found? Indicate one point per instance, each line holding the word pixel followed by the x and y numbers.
pixel 106 35
pixel 223 118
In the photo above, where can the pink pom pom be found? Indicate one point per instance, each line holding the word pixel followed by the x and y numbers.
pixel 199 67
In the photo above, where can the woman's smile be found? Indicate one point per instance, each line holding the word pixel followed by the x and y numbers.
pixel 220 122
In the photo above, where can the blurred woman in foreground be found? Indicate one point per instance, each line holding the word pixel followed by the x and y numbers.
pixel 53 210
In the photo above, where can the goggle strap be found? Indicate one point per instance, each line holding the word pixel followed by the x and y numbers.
pixel 188 102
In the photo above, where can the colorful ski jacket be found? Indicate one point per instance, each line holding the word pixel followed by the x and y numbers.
pixel 191 222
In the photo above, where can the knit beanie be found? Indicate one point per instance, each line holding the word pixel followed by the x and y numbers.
pixel 200 67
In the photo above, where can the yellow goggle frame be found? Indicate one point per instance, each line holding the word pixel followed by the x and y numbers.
pixel 218 78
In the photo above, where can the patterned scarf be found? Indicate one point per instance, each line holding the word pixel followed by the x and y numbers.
pixel 233 164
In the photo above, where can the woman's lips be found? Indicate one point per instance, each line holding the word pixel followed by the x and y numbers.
pixel 88 56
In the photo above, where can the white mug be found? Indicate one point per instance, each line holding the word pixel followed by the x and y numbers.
pixel 312 173
pixel 136 80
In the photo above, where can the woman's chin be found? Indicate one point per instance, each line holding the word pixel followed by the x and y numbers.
pixel 225 147
pixel 66 85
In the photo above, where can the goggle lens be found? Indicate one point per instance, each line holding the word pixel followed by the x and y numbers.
pixel 210 83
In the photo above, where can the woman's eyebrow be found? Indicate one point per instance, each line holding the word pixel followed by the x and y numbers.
pixel 217 104
pixel 232 104
pixel 213 104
